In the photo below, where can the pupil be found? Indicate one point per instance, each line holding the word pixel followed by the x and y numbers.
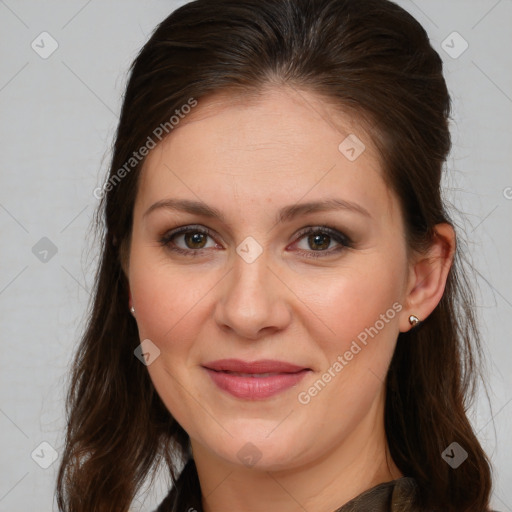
pixel 317 240
pixel 195 238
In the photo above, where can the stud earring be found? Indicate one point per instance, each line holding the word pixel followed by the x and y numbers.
pixel 132 311
pixel 414 320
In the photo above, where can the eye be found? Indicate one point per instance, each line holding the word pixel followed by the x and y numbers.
pixel 193 240
pixel 319 238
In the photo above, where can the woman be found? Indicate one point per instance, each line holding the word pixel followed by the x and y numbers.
pixel 280 306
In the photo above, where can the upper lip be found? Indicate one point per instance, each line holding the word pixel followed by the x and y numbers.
pixel 259 366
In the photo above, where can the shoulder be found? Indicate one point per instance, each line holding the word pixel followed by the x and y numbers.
pixel 394 496
pixel 400 495
pixel 405 494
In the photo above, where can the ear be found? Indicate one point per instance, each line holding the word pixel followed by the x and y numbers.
pixel 427 276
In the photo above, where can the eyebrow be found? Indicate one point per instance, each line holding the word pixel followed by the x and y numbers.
pixel 285 214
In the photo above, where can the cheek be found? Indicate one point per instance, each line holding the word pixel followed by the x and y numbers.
pixel 167 301
pixel 361 312
pixel 358 299
pixel 165 295
pixel 165 306
pixel 362 315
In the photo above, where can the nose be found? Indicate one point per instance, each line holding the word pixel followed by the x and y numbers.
pixel 253 301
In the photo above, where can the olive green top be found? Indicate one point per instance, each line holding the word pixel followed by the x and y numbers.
pixel 395 496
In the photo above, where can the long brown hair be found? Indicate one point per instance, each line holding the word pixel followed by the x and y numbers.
pixel 370 57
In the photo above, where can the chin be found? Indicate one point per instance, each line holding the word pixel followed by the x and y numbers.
pixel 262 452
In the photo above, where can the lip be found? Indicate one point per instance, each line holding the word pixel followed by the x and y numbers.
pixel 259 366
pixel 283 376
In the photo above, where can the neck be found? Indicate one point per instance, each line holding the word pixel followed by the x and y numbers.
pixel 358 463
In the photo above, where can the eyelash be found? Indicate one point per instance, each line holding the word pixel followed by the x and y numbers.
pixel 337 236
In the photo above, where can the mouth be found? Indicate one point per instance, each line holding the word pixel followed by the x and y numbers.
pixel 255 380
pixel 259 367
pixel 256 375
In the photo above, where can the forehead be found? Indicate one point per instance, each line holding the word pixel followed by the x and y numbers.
pixel 273 146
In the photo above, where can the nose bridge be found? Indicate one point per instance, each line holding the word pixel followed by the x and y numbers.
pixel 251 275
pixel 249 285
pixel 252 298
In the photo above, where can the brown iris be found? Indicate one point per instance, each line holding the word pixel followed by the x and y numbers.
pixel 320 240
pixel 197 240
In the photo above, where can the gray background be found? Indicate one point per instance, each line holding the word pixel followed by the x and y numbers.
pixel 58 116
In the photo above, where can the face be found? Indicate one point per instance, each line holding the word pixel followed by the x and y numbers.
pixel 254 275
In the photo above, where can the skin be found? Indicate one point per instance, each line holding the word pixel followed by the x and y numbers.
pixel 249 157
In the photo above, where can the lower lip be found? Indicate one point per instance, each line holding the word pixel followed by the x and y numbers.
pixel 255 388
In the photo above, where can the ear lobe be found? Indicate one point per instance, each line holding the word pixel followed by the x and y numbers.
pixel 428 276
